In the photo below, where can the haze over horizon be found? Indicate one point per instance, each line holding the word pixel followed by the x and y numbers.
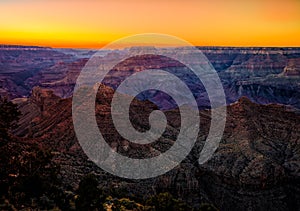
pixel 92 24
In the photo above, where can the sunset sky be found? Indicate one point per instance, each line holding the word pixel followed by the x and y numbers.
pixel 93 23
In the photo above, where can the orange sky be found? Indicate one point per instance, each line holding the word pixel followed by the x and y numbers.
pixel 92 23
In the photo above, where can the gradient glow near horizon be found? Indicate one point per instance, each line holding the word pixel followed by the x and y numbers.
pixel 92 23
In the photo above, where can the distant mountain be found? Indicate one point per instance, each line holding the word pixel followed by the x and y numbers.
pixel 264 75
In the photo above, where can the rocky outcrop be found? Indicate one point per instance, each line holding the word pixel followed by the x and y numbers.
pixel 34 108
pixel 257 163
pixel 245 62
pixel 256 166
pixel 292 68
pixel 60 78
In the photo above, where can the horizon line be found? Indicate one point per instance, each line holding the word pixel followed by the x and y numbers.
pixel 95 47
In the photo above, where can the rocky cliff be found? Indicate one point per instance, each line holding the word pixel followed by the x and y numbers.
pixel 256 166
pixel 265 75
pixel 292 68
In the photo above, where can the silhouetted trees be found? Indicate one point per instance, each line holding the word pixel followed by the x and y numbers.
pixel 9 114
pixel 166 202
pixel 28 175
pixel 34 175
pixel 89 197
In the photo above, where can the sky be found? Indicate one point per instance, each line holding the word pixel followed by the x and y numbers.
pixel 94 23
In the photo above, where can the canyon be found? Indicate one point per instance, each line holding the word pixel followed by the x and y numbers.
pixel 264 75
pixel 257 164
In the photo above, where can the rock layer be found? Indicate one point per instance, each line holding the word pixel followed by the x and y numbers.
pixel 255 167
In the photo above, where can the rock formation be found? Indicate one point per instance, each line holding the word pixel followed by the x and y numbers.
pixel 255 167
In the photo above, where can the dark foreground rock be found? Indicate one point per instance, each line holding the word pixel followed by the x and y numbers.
pixel 256 167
